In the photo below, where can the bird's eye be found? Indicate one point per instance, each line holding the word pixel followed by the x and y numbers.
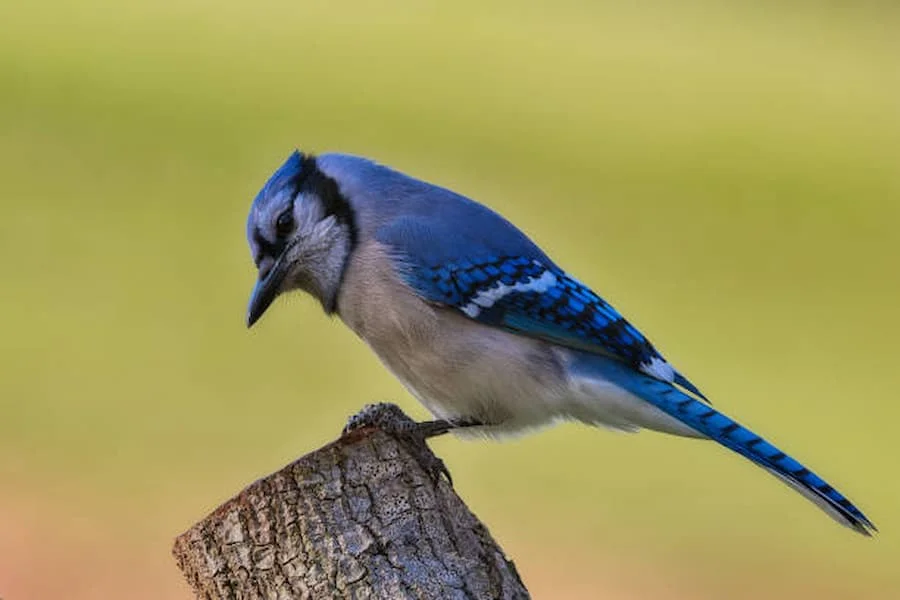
pixel 285 223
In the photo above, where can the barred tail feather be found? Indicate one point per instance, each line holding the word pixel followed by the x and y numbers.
pixel 724 430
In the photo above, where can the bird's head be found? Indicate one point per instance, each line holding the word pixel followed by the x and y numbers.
pixel 301 231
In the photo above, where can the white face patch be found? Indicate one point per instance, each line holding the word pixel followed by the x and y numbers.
pixel 659 368
pixel 487 298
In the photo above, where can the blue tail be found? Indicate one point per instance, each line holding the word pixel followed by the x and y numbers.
pixel 716 426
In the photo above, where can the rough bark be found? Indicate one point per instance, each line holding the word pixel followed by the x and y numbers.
pixel 358 518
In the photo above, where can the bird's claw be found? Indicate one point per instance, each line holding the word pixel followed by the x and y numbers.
pixel 388 417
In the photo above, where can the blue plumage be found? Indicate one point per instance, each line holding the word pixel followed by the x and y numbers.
pixel 400 259
pixel 285 175
pixel 565 310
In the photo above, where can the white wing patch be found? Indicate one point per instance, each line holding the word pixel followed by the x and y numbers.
pixel 487 298
pixel 657 367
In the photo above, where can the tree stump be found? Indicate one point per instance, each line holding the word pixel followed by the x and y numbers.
pixel 358 518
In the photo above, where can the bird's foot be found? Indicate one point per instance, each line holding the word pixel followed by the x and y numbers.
pixel 390 419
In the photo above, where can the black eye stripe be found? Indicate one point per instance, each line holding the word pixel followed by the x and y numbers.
pixel 266 248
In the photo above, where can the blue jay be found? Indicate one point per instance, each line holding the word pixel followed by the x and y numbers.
pixel 475 320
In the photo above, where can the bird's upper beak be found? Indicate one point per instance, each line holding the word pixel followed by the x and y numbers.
pixel 267 288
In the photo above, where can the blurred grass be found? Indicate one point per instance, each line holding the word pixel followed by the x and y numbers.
pixel 725 173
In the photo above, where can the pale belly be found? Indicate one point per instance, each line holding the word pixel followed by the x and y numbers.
pixel 461 370
pixel 507 382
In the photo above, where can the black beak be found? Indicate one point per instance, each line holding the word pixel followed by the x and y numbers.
pixel 267 289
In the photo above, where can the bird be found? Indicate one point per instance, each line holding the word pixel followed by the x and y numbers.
pixel 476 321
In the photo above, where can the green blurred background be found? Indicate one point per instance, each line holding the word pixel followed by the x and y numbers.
pixel 727 174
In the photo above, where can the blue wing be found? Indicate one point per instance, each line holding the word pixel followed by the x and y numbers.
pixel 506 281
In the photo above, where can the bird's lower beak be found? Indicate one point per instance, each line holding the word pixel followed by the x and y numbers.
pixel 267 289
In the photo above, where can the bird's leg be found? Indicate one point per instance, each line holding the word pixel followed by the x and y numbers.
pixel 431 429
pixel 390 419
